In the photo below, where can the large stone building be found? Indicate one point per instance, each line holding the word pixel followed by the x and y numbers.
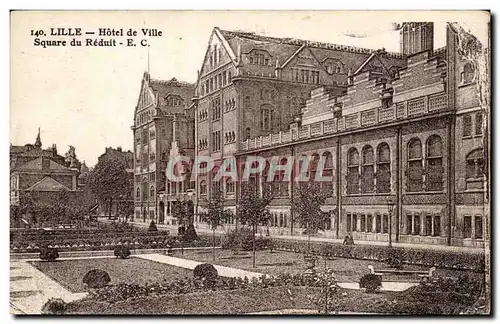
pixel 40 172
pixel 403 129
pixel 161 117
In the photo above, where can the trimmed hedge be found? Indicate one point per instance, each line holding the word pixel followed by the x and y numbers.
pixel 430 258
pixel 99 244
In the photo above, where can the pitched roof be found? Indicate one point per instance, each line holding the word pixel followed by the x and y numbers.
pixel 37 164
pixel 284 50
pixel 295 42
pixel 48 184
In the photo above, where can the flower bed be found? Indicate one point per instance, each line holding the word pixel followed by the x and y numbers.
pixel 124 291
pixel 430 258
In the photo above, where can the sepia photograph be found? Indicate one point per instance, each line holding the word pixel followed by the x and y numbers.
pixel 259 162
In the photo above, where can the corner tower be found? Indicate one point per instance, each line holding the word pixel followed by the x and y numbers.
pixel 416 37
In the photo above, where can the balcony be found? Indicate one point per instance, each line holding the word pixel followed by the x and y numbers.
pixel 400 110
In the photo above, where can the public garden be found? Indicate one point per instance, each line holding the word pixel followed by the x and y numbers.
pixel 119 269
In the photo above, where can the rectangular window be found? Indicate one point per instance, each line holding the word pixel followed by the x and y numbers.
pixel 437 226
pixel 386 224
pixel 378 224
pixel 428 225
pixel 348 222
pixel 479 124
pixel 467 227
pixel 216 141
pixel 478 227
pixel 466 126
pixel 409 222
pixel 416 225
pixel 363 223
pixel 369 223
pixel 354 222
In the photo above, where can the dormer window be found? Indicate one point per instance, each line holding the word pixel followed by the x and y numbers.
pixel 259 57
pixel 333 66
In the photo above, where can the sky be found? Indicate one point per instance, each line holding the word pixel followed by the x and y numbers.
pixel 86 96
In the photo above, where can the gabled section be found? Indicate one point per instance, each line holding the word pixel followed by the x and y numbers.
pixel 146 95
pixel 48 184
pixel 373 64
pixel 218 50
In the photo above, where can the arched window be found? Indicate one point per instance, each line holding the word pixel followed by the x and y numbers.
pixel 474 173
pixel 467 74
pixel 415 169
pixel 368 171
pixel 230 186
pixel 152 192
pixel 383 168
pixel 138 193
pixel 327 186
pixel 247 133
pixel 203 187
pixel 434 164
pixel 266 118
pixel 352 171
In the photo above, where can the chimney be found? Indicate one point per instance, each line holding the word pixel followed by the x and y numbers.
pixel 45 163
pixel 54 150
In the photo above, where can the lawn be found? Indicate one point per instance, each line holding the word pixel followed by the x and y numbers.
pixel 69 273
pixel 273 263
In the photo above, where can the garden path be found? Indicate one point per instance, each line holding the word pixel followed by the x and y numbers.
pixel 30 289
pixel 190 264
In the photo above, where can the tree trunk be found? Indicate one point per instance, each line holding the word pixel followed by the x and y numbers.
pixel 110 206
pixel 213 244
pixel 308 238
pixel 253 244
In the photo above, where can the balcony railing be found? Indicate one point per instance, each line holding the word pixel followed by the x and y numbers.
pixel 400 110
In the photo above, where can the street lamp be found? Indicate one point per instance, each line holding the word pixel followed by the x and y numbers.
pixel 390 209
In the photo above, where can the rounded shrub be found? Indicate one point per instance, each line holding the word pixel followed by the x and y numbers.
pixel 96 278
pixel 49 254
pixel 122 251
pixel 54 306
pixel 207 272
pixel 370 282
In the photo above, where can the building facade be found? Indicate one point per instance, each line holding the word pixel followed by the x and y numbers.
pixel 160 113
pixel 403 129
pixel 39 172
